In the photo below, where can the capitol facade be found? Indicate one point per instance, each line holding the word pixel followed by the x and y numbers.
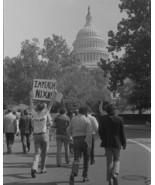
pixel 89 46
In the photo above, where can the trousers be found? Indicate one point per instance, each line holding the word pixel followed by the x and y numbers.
pixel 80 147
pixel 41 145
pixel 113 162
pixel 25 138
pixel 9 141
pixel 62 139
pixel 92 152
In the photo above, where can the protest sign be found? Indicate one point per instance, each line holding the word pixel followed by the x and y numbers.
pixel 43 89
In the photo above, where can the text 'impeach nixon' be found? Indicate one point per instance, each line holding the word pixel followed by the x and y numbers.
pixel 42 89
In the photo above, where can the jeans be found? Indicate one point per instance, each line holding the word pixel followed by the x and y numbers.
pixel 113 162
pixel 62 139
pixel 80 147
pixel 25 138
pixel 92 152
pixel 41 145
pixel 9 141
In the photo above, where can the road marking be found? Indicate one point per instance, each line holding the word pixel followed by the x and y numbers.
pixel 147 148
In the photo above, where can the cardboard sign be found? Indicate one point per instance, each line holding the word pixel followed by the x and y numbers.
pixel 58 97
pixel 43 89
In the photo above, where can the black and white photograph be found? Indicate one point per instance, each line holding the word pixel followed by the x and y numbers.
pixel 76 92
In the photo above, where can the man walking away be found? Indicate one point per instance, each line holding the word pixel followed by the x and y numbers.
pixel 111 132
pixel 40 133
pixel 25 127
pixel 10 129
pixel 62 121
pixel 80 127
pixel 94 125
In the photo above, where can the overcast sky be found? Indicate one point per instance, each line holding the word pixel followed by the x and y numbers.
pixel 26 19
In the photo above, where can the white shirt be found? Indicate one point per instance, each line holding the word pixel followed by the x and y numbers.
pixel 94 123
pixel 40 120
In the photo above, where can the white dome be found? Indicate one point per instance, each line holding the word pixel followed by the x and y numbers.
pixel 88 31
pixel 89 45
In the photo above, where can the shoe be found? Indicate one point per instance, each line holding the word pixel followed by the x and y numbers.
pixel 33 173
pixel 92 162
pixel 85 179
pixel 25 152
pixel 43 171
pixel 28 149
pixel 58 165
pixel 71 180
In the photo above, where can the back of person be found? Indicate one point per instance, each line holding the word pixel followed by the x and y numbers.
pixel 112 127
pixel 79 125
pixel 9 123
pixel 25 124
pixel 61 123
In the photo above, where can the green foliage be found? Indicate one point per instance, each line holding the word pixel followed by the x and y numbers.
pixel 134 35
pixel 54 60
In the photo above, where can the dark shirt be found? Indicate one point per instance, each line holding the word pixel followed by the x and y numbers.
pixel 25 124
pixel 61 123
pixel 111 132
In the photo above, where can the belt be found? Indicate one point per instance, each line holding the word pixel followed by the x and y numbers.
pixel 40 133
pixel 77 137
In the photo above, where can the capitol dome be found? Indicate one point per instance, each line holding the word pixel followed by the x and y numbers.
pixel 89 46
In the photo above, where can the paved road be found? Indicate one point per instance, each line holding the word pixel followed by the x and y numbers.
pixel 135 163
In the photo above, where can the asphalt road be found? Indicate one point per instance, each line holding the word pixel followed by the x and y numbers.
pixel 135 163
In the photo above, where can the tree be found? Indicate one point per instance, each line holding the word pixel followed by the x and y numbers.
pixel 134 35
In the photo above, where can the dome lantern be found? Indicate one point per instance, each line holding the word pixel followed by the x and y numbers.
pixel 88 18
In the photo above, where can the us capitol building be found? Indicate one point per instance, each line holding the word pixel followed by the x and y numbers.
pixel 89 46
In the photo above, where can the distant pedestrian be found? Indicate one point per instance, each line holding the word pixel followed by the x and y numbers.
pixel 25 127
pixel 111 131
pixel 94 125
pixel 62 121
pixel 10 129
pixel 80 127
pixel 41 138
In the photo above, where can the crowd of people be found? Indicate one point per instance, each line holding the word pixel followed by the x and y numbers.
pixel 76 131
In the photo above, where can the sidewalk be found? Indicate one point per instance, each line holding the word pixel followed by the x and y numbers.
pixel 136 127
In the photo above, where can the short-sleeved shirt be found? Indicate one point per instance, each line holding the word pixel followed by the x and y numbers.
pixel 40 120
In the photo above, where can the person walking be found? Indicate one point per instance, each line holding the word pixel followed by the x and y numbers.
pixel 62 121
pixel 25 127
pixel 94 125
pixel 80 127
pixel 41 138
pixel 10 129
pixel 111 132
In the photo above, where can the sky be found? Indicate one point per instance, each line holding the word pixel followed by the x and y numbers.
pixel 26 19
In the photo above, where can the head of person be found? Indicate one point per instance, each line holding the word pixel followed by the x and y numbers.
pixel 70 113
pixel 110 109
pixel 76 112
pixel 62 110
pixel 9 111
pixel 40 107
pixel 84 110
pixel 105 104
pixel 25 112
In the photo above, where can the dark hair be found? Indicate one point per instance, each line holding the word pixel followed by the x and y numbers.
pixel 84 110
pixel 104 105
pixel 40 107
pixel 62 111
pixel 25 112
pixel 110 109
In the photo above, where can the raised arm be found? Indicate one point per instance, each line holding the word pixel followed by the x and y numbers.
pixel 102 112
pixel 31 101
pixel 52 100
